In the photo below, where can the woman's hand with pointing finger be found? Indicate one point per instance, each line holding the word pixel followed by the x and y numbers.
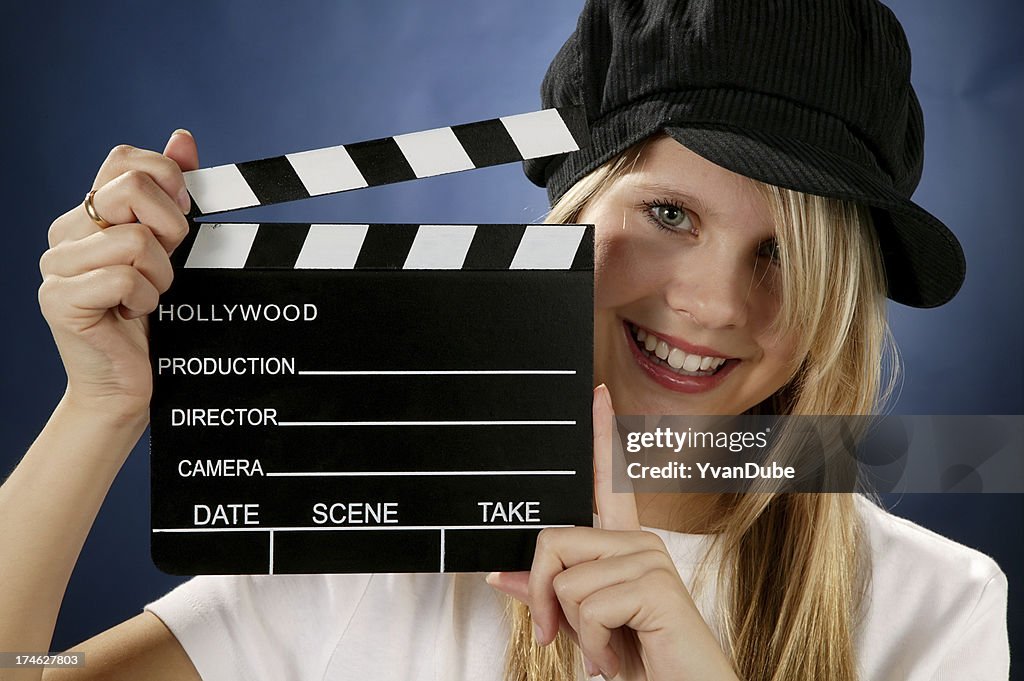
pixel 616 591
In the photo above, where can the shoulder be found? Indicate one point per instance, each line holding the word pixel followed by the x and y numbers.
pixel 231 625
pixel 235 596
pixel 899 546
pixel 208 593
pixel 257 627
pixel 933 608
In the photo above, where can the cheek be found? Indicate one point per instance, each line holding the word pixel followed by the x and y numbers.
pixel 779 352
pixel 763 308
pixel 763 304
pixel 625 267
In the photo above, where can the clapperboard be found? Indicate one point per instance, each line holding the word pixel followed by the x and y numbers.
pixel 335 398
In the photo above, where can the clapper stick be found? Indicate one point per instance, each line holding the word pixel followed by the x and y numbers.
pixel 373 397
pixel 387 160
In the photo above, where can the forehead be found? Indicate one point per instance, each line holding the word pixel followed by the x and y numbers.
pixel 668 170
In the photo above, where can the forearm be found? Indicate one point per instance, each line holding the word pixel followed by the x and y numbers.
pixel 47 506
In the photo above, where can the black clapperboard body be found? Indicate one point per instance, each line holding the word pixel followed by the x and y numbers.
pixel 334 398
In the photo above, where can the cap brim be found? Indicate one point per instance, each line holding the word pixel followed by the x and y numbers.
pixel 924 262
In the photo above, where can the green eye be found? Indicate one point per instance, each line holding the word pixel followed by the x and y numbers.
pixel 673 216
pixel 669 216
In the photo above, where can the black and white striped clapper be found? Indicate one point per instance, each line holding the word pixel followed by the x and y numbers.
pixel 372 397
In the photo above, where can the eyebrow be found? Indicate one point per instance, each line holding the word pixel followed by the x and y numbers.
pixel 671 192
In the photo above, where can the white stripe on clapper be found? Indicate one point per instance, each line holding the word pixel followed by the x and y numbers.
pixel 540 133
pixel 442 549
pixel 331 247
pixel 222 246
pixel 325 171
pixel 548 247
pixel 219 188
pixel 433 152
pixel 440 247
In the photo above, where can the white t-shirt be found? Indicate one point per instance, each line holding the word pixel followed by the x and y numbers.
pixel 936 611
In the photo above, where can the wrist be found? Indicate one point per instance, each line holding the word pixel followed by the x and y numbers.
pixel 117 415
pixel 702 658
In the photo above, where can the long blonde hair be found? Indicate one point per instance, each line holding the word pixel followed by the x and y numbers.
pixel 792 574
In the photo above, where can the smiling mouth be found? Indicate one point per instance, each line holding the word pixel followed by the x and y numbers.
pixel 662 353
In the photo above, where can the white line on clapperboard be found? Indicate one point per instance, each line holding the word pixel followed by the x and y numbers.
pixel 354 528
pixel 426 423
pixel 374 528
pixel 440 373
pixel 348 528
pixel 384 474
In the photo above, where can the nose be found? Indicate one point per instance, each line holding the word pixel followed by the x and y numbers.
pixel 713 286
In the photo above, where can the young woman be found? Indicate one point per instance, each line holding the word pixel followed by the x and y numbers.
pixel 752 212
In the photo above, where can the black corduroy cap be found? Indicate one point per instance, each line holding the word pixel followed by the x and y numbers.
pixel 811 95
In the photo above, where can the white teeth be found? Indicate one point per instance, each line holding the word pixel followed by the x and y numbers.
pixel 692 363
pixel 677 359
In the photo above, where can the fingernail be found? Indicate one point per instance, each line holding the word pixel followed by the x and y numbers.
pixel 181 131
pixel 538 634
pixel 592 669
pixel 607 397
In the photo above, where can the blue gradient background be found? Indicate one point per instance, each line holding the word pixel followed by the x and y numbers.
pixel 255 79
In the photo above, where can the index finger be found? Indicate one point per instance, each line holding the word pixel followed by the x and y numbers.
pixel 616 510
pixel 165 171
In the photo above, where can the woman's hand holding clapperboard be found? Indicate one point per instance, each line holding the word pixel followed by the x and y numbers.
pixel 99 283
pixel 107 263
pixel 615 591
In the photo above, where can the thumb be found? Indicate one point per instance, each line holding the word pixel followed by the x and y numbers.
pixel 182 149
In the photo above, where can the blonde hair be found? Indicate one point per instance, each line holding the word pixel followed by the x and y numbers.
pixel 793 575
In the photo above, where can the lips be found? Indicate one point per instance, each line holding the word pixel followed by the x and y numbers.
pixel 682 369
pixel 656 347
